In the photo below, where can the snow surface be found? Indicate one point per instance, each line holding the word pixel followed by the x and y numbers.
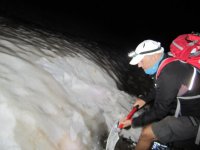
pixel 53 96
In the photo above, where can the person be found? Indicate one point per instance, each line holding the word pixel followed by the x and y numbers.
pixel 159 122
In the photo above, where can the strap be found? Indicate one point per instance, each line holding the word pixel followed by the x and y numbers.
pixel 164 63
pixel 194 37
pixel 189 97
pixel 192 79
pixel 151 51
pixel 178 108
pixel 195 122
pixel 197 141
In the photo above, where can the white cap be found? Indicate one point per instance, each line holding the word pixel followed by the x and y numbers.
pixel 147 47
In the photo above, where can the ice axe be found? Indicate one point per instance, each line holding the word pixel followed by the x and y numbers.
pixel 113 136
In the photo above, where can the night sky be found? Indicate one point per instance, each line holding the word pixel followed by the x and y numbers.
pixel 118 23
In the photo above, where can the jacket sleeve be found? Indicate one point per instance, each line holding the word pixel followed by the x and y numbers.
pixel 149 97
pixel 166 89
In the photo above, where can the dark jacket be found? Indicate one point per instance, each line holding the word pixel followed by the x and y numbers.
pixel 164 94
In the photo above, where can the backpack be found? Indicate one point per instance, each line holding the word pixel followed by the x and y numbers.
pixel 186 48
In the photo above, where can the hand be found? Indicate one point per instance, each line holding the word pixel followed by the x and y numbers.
pixel 125 123
pixel 139 102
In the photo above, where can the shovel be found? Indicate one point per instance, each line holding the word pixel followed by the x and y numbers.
pixel 113 136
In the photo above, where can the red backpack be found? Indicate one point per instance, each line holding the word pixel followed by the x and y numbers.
pixel 186 48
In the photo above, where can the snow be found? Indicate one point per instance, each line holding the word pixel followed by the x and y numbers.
pixel 53 95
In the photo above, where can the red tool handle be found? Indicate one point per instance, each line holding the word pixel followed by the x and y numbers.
pixel 131 113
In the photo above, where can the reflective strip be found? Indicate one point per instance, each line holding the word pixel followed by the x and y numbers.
pixel 134 54
pixel 192 80
pixel 197 141
pixel 193 121
pixel 189 97
pixel 177 45
pixel 178 108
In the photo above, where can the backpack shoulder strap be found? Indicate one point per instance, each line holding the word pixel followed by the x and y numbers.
pixel 164 63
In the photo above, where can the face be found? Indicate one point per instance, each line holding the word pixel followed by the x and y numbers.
pixel 147 62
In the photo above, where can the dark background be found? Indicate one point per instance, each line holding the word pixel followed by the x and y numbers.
pixel 121 24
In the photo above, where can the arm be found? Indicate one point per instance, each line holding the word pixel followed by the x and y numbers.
pixel 149 97
pixel 166 91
